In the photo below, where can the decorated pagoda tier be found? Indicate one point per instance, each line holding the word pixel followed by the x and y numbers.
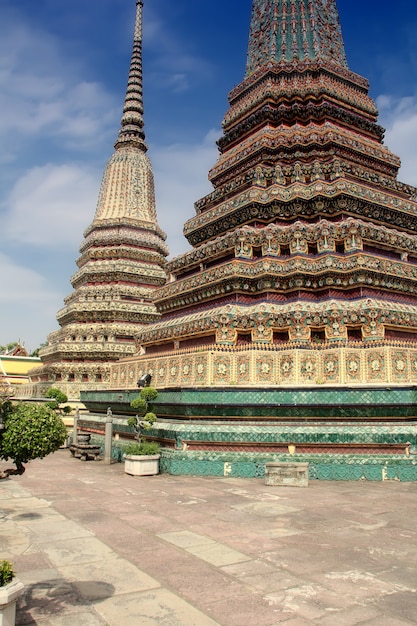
pixel 121 264
pixel 308 240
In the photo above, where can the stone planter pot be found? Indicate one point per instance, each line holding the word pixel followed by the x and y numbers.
pixel 8 598
pixel 142 465
pixel 83 437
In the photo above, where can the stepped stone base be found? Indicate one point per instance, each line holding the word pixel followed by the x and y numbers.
pixel 361 433
pixel 338 451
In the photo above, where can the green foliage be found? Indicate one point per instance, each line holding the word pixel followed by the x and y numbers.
pixel 149 394
pixel 145 448
pixel 32 431
pixel 58 398
pixel 6 573
pixel 8 347
pixel 54 392
pixel 140 405
pixel 150 418
pixel 144 417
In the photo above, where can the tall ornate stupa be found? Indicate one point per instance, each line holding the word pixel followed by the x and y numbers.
pixel 121 264
pixel 290 328
pixel 304 262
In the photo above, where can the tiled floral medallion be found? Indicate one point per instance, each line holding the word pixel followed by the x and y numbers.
pixel 124 376
pixel 186 371
pixel 265 368
pixel 353 369
pixel 221 369
pixel 376 366
pixel 262 333
pixel 161 369
pixel 309 371
pixel 142 369
pixel 173 371
pixel 330 367
pixel 151 369
pixel 200 370
pixel 132 374
pixel 243 369
pixel 413 364
pixel 399 366
pixel 287 371
pixel 115 378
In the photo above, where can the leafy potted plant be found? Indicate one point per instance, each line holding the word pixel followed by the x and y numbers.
pixel 10 590
pixel 142 457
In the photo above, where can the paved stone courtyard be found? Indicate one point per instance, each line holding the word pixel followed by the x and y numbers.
pixel 94 546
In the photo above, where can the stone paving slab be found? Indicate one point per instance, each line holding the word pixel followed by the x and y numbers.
pixel 95 547
pixel 152 608
pixel 204 548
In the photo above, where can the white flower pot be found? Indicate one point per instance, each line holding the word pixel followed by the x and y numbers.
pixel 8 598
pixel 141 465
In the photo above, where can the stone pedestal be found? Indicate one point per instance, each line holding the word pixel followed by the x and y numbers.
pixel 286 474
pixel 8 598
pixel 85 451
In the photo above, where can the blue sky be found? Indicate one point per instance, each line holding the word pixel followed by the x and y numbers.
pixel 63 71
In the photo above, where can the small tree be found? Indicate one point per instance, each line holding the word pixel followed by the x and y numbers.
pixel 58 398
pixel 145 417
pixel 32 431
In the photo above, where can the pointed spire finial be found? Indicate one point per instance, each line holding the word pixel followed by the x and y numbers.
pixel 294 30
pixel 131 131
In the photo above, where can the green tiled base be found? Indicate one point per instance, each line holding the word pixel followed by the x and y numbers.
pixel 245 464
pixel 326 467
pixel 265 403
pixel 253 433
pixel 347 433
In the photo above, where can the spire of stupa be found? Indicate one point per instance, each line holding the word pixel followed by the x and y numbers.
pixel 128 189
pixel 294 30
pixel 131 131
pixel 122 259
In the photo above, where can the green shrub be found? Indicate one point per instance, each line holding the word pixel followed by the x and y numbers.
pixel 145 416
pixel 140 405
pixel 32 431
pixel 149 394
pixel 6 573
pixel 58 398
pixel 150 418
pixel 146 448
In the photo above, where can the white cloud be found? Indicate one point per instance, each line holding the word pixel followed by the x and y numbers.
pixel 51 205
pixel 399 116
pixel 181 179
pixel 29 305
pixel 40 100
